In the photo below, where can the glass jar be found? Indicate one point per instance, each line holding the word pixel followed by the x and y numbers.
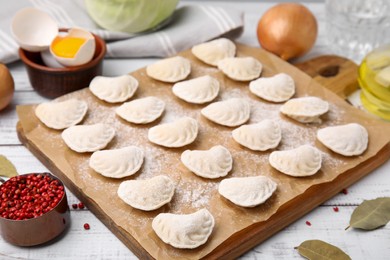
pixel 355 27
pixel 374 80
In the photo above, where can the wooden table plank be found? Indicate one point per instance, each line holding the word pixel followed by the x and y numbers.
pixel 100 243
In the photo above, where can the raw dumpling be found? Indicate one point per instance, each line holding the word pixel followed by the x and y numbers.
pixel 231 112
pixel 305 109
pixel 88 138
pixel 148 194
pixel 198 91
pixel 247 191
pixel 258 137
pixel 176 134
pixel 114 89
pixel 241 68
pixel 299 162
pixel 349 140
pixel 169 70
pixel 278 88
pixel 184 231
pixel 214 51
pixel 213 163
pixel 117 163
pixel 61 115
pixel 141 111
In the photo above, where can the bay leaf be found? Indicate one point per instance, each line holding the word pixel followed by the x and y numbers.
pixel 371 214
pixel 320 250
pixel 7 169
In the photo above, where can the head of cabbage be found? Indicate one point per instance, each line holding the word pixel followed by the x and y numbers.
pixel 130 16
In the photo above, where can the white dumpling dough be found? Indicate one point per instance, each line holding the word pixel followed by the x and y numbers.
pixel 117 163
pixel 303 161
pixel 148 194
pixel 61 115
pixel 170 70
pixel 349 140
pixel 230 112
pixel 213 163
pixel 114 89
pixel 241 68
pixel 277 88
pixel 247 191
pixel 185 231
pixel 259 137
pixel 141 111
pixel 88 138
pixel 213 51
pixel 197 91
pixel 305 109
pixel 176 134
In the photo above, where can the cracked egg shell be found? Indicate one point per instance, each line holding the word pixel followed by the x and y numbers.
pixel 74 48
pixel 33 29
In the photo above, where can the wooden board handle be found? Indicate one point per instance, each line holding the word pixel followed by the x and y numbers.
pixel 333 72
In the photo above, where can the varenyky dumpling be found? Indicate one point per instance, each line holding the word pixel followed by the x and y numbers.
pixel 170 69
pixel 114 89
pixel 213 51
pixel 117 163
pixel 247 191
pixel 198 90
pixel 141 111
pixel 147 194
pixel 179 133
pixel 62 114
pixel 241 68
pixel 185 231
pixel 305 109
pixel 258 137
pixel 277 88
pixel 230 112
pixel 303 161
pixel 213 163
pixel 88 138
pixel 348 140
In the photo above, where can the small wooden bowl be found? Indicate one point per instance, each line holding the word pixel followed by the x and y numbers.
pixel 55 82
pixel 39 230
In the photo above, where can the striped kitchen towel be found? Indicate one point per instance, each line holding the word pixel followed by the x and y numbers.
pixel 189 25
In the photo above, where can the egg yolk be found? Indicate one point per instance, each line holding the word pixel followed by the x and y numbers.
pixel 67 47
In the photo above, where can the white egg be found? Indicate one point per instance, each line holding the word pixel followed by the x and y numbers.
pixel 76 48
pixel 49 60
pixel 33 29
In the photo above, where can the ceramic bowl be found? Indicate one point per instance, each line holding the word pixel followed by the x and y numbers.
pixel 54 82
pixel 38 230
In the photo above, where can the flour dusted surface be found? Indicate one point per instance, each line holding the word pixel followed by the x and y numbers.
pixel 193 193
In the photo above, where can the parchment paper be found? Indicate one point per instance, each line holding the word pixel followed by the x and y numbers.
pixel 192 192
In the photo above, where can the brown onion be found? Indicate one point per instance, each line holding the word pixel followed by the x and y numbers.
pixel 288 30
pixel 6 86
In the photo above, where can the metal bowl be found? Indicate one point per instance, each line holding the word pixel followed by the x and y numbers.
pixel 39 230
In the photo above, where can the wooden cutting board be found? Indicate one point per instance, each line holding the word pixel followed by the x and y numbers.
pixel 333 72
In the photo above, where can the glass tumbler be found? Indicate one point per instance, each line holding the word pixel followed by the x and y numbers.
pixel 355 27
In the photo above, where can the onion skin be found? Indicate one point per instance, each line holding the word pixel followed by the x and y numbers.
pixel 288 30
pixel 6 86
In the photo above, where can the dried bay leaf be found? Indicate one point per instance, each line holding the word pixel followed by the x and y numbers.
pixel 320 250
pixel 371 214
pixel 7 169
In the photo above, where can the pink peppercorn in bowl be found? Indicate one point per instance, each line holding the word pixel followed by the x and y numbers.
pixel 33 209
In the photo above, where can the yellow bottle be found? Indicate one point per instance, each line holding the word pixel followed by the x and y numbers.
pixel 374 80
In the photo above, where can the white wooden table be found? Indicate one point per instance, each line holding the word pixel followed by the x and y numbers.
pixel 100 243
